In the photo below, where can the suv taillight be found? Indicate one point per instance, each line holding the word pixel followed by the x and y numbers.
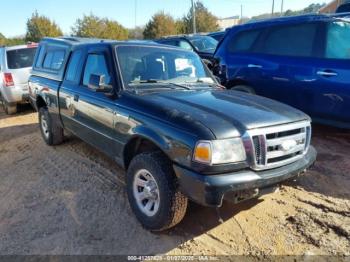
pixel 31 44
pixel 8 80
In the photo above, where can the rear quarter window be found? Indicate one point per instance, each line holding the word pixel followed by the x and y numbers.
pixel 20 58
pixel 338 40
pixel 244 41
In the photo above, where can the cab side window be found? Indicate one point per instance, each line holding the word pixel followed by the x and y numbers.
pixel 72 70
pixel 96 64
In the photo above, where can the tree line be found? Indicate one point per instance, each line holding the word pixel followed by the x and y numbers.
pixel 161 24
pixel 312 8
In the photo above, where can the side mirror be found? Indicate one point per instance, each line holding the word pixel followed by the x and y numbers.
pixel 97 84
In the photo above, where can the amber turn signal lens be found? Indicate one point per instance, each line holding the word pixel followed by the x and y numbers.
pixel 203 152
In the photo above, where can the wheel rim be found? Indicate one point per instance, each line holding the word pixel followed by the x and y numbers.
pixel 146 192
pixel 44 126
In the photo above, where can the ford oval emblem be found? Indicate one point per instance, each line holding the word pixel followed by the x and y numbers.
pixel 288 145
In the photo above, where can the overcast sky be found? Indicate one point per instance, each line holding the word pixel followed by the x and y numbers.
pixel 14 14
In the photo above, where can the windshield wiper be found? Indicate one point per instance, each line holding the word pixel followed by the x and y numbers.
pixel 201 81
pixel 154 81
pixel 147 81
pixel 179 85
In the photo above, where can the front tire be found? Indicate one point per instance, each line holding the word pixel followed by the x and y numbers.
pixel 51 132
pixel 153 192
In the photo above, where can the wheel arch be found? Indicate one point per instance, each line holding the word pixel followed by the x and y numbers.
pixel 40 102
pixel 143 142
pixel 236 82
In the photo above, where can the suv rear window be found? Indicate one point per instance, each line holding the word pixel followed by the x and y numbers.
pixel 291 40
pixel 20 58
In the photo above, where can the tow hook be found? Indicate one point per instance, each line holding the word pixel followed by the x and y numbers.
pixel 302 172
pixel 243 195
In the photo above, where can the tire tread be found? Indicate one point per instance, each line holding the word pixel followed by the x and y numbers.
pixel 178 202
pixel 56 135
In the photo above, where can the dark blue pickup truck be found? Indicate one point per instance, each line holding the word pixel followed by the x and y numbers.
pixel 159 113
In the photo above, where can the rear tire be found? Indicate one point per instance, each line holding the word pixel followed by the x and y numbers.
pixel 151 174
pixel 51 132
pixel 9 109
pixel 244 88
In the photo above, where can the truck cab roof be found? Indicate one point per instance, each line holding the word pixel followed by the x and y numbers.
pixel 78 41
pixel 59 49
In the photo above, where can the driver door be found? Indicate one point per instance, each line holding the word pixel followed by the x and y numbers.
pixel 93 112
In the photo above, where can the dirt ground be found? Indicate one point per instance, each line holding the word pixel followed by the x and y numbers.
pixel 70 199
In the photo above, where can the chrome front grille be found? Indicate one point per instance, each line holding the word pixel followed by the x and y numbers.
pixel 259 147
pixel 277 146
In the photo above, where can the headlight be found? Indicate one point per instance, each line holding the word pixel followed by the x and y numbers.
pixel 220 151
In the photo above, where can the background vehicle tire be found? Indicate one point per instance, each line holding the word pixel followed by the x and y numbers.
pixel 51 132
pixel 244 88
pixel 162 183
pixel 9 110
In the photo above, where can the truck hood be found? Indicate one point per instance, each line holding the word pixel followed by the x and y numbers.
pixel 226 113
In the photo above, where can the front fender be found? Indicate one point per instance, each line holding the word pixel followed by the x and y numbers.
pixel 157 138
pixel 176 145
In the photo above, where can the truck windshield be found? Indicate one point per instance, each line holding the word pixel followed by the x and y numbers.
pixel 141 65
pixel 20 58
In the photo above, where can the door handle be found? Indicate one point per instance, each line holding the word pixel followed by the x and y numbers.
pixel 327 73
pixel 76 98
pixel 254 66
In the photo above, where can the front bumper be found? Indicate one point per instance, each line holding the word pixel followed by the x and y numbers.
pixel 209 190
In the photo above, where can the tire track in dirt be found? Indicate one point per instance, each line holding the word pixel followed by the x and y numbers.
pixel 74 199
pixel 321 221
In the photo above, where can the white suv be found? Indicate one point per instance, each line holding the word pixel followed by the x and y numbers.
pixel 15 67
